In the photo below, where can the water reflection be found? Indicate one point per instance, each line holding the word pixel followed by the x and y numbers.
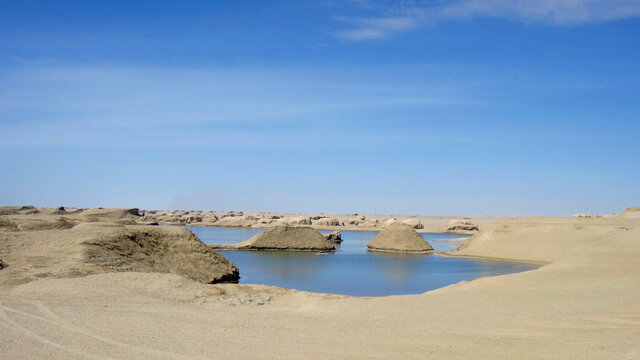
pixel 285 265
pixel 398 267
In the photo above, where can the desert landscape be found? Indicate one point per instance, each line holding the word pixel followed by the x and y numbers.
pixel 97 284
pixel 353 179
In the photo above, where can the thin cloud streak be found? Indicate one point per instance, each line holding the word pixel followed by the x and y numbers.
pixel 408 17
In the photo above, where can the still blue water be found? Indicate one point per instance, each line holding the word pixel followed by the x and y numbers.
pixel 353 270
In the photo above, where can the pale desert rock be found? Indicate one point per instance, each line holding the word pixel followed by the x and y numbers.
pixel 414 223
pixel 389 221
pixel 461 225
pixel 191 218
pixel 235 221
pixel 369 223
pixel 355 220
pixel 326 221
pixel 300 220
pixel 209 219
pixel 264 221
pixel 587 216
pixel 399 237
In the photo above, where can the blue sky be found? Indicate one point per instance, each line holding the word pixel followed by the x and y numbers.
pixel 430 107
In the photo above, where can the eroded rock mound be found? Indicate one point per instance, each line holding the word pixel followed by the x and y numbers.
pixel 287 238
pixel 334 237
pixel 399 237
pixel 235 221
pixel 159 249
pixel 414 223
pixel 326 221
pixel 355 220
pixel 461 225
pixel 587 216
pixel 2 264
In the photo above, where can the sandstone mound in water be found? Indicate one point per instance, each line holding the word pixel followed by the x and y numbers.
pixel 154 249
pixel 399 237
pixel 287 238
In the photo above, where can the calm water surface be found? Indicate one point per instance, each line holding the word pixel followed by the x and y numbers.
pixel 353 270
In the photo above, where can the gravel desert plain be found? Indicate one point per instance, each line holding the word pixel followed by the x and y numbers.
pixel 106 284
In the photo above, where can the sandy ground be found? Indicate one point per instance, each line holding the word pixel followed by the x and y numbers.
pixel 585 304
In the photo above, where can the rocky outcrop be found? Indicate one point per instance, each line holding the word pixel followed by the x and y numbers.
pixel 414 223
pixel 284 238
pixel 326 221
pixel 191 218
pixel 2 264
pixel 372 223
pixel 461 225
pixel 399 237
pixel 209 218
pixel 389 221
pixel 235 221
pixel 587 216
pixel 298 220
pixel 334 237
pixel 355 220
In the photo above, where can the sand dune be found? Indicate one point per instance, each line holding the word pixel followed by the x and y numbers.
pixel 583 304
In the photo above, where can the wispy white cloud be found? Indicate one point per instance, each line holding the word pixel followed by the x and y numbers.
pixel 388 18
pixel 376 28
pixel 557 12
pixel 45 106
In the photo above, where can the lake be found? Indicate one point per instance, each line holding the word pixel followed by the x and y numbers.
pixel 352 270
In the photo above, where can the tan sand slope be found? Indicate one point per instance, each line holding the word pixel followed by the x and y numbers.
pixel 583 305
pixel 284 238
pixel 97 247
pixel 399 237
pixel 630 213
